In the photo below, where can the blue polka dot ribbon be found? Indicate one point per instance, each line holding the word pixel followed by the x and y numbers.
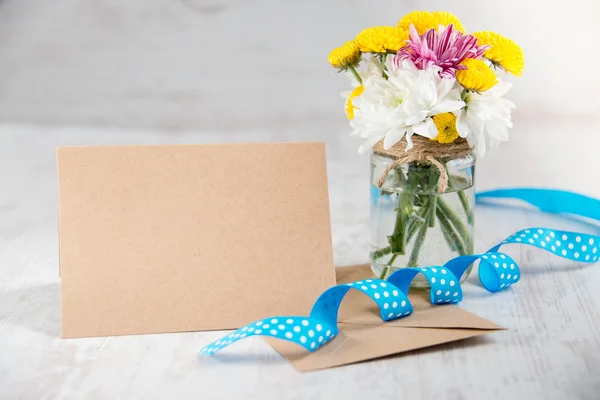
pixel 497 271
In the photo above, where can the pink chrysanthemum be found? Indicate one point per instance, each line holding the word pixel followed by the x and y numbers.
pixel 445 47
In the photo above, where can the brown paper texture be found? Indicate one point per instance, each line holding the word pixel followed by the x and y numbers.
pixel 364 336
pixel 190 237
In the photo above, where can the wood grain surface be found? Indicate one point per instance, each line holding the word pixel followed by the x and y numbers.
pixel 551 349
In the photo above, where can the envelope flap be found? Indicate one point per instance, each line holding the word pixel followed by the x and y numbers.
pixel 357 308
pixel 357 343
pixel 447 316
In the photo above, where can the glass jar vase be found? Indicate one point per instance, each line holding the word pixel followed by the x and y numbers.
pixel 412 223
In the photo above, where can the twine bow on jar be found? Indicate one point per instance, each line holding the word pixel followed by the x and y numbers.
pixel 423 150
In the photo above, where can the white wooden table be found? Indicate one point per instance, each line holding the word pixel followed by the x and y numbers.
pixel 551 350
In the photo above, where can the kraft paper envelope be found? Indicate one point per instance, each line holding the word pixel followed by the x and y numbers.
pixel 364 336
pixel 175 238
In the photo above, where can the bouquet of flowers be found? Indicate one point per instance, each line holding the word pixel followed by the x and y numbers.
pixel 427 99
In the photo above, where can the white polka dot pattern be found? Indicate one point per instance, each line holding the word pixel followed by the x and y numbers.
pixel 393 303
pixel 321 326
pixel 572 245
pixel 307 332
pixel 497 271
pixel 445 287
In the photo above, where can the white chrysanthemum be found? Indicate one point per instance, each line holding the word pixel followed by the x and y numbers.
pixel 485 120
pixel 403 104
pixel 374 67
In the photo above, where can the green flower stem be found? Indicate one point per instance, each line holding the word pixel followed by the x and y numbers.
pixel 464 201
pixel 416 222
pixel 356 75
pixel 458 224
pixel 382 58
pixel 404 211
pixel 384 272
pixel 386 268
pixel 433 180
pixel 431 219
pixel 450 234
pixel 465 204
pixel 392 259
pixel 396 239
pixel 381 252
pixel 414 255
pixel 427 212
pixel 450 241
pixel 413 225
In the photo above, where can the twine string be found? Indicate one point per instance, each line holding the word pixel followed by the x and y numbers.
pixel 423 150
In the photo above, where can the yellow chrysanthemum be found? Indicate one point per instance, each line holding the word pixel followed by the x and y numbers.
pixel 425 20
pixel 381 39
pixel 477 77
pixel 344 56
pixel 446 126
pixel 349 106
pixel 504 52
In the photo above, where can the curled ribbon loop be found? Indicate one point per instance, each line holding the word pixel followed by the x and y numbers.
pixel 497 271
pixel 445 286
pixel 391 301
